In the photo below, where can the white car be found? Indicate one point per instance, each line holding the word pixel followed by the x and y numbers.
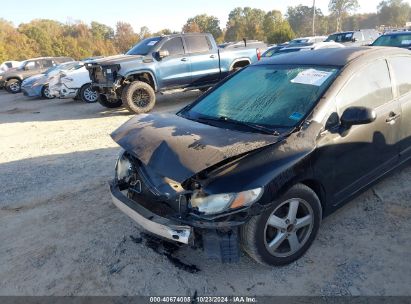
pixel 73 84
pixel 9 65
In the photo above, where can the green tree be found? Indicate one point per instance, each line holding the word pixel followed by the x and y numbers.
pixel 340 9
pixel 203 24
pixel 277 29
pixel 13 44
pixel 125 36
pixel 245 22
pixel 300 18
pixel 393 13
pixel 164 32
pixel 101 31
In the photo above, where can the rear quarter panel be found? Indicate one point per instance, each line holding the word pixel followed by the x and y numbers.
pixel 230 56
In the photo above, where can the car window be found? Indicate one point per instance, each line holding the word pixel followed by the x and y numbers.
pixel 31 65
pixel 144 46
pixel 340 37
pixel 9 65
pixel 398 40
pixel 197 44
pixel 401 73
pixel 47 63
pixel 174 46
pixel 370 87
pixel 268 95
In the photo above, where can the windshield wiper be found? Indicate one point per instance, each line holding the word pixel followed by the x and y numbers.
pixel 249 125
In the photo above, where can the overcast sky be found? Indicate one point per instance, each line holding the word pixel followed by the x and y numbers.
pixel 155 14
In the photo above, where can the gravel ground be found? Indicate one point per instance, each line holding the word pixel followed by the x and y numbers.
pixel 60 234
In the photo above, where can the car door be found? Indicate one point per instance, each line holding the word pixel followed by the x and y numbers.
pixel 400 68
pixel 31 68
pixel 205 67
pixel 349 160
pixel 174 69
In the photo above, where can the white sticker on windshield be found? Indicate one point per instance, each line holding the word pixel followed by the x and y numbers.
pixel 406 42
pixel 152 42
pixel 311 77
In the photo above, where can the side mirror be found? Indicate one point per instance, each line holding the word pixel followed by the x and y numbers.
pixel 354 40
pixel 357 116
pixel 162 54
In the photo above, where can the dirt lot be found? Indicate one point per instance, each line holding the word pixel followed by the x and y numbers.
pixel 60 234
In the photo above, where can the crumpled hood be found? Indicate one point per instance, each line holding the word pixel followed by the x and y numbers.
pixel 116 59
pixel 178 148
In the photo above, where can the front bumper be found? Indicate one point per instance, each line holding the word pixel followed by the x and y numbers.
pixel 32 91
pixel 150 221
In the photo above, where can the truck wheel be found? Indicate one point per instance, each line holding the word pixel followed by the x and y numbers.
pixel 88 95
pixel 105 102
pixel 13 86
pixel 45 92
pixel 283 233
pixel 138 97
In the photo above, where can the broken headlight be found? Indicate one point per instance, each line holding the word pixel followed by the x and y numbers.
pixel 215 203
pixel 123 167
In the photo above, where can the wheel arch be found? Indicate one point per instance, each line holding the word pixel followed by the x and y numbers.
pixel 240 63
pixel 281 187
pixel 14 77
pixel 146 76
pixel 318 188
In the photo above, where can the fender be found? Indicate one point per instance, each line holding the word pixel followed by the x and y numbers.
pixel 238 60
pixel 14 77
pixel 136 72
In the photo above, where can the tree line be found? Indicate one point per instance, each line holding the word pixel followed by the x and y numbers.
pixel 43 37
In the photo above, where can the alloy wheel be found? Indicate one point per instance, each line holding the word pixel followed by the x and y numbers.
pixel 288 227
pixel 141 98
pixel 90 95
pixel 15 87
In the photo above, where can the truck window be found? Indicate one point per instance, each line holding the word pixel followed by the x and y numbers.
pixel 47 63
pixel 174 46
pixel 197 44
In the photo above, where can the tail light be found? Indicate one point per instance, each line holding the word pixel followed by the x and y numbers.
pixel 258 54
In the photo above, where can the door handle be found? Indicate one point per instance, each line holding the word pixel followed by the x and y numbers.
pixel 392 117
pixel 212 56
pixel 184 59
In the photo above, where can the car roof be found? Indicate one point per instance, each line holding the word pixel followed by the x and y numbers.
pixel 397 33
pixel 333 56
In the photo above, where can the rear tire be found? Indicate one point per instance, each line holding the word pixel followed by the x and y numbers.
pixel 45 92
pixel 280 235
pixel 111 104
pixel 13 86
pixel 88 95
pixel 138 97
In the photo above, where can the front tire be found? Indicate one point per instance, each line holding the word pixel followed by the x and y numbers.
pixel 108 103
pixel 88 95
pixel 138 97
pixel 45 92
pixel 13 86
pixel 283 233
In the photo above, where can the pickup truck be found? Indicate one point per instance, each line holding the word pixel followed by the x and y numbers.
pixel 163 63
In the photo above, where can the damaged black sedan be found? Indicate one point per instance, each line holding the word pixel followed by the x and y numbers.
pixel 259 160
